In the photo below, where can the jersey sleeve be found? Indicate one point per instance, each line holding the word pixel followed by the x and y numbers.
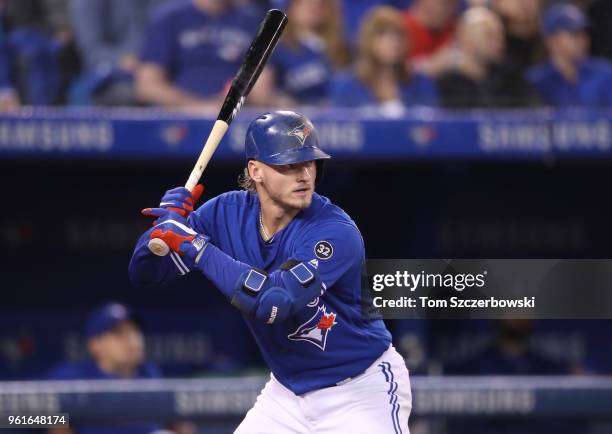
pixel 148 269
pixel 333 249
pixel 220 268
pixel 202 219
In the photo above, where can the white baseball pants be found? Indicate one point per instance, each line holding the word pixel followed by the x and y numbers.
pixel 376 402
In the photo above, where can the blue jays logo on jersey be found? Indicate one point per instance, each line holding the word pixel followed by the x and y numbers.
pixel 316 329
pixel 301 133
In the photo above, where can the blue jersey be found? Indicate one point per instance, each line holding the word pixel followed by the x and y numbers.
pixel 593 86
pixel 89 370
pixel 200 53
pixel 326 341
pixel 347 90
pixel 303 72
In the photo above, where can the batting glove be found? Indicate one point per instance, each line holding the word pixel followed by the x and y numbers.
pixel 173 229
pixel 180 200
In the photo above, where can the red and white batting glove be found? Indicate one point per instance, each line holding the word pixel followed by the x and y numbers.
pixel 186 245
pixel 180 200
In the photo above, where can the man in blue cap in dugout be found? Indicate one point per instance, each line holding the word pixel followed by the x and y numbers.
pixel 116 346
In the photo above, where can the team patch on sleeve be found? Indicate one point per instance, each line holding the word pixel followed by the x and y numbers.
pixel 323 250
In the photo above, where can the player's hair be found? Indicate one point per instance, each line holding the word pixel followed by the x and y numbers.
pixel 379 19
pixel 331 32
pixel 245 181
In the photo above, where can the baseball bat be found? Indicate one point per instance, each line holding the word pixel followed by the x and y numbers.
pixel 256 57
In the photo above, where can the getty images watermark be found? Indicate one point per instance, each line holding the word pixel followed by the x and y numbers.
pixel 488 288
pixel 458 282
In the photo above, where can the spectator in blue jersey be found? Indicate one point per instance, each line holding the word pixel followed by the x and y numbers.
pixel 116 345
pixel 109 35
pixel 312 47
pixel 570 77
pixel 382 82
pixel 36 52
pixel 191 52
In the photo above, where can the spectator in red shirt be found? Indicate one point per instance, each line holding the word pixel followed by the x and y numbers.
pixel 431 27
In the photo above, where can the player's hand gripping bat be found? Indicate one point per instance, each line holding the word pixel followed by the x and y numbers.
pixel 262 46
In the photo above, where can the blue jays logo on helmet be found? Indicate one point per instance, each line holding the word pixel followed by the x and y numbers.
pixel 283 137
pixel 316 329
pixel 301 133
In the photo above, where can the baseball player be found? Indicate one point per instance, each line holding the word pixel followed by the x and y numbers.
pixel 292 263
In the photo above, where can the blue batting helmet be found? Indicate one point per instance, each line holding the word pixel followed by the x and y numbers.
pixel 283 137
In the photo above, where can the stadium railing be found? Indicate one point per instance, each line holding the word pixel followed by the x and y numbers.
pixel 421 133
pixel 210 398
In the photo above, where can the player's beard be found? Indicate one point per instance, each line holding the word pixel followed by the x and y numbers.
pixel 302 203
pixel 294 202
pixel 290 201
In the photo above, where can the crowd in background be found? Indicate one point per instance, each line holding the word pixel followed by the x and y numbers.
pixel 382 55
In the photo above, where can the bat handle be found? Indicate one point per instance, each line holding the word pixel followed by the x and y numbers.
pixel 158 246
pixel 218 131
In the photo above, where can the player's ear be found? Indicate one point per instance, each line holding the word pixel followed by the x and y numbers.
pixel 255 172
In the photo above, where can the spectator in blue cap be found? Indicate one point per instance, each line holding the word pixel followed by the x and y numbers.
pixel 116 345
pixel 570 77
